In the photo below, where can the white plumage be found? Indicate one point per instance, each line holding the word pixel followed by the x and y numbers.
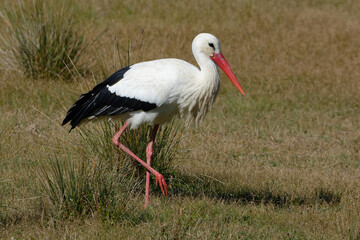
pixel 154 92
pixel 154 83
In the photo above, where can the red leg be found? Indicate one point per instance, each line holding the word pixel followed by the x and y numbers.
pixel 149 153
pixel 159 177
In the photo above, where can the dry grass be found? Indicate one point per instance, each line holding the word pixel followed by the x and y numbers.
pixel 282 162
pixel 40 40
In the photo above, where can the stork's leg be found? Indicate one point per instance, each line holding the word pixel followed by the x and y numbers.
pixel 149 153
pixel 159 177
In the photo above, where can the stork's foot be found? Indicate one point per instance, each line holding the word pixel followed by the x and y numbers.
pixel 161 181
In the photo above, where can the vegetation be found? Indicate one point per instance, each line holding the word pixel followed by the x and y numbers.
pixel 41 39
pixel 280 163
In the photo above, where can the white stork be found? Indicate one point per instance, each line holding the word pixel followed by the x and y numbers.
pixel 154 92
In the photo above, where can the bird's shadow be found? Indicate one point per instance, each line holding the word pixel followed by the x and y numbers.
pixel 195 186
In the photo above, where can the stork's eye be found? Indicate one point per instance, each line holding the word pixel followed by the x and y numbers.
pixel 212 46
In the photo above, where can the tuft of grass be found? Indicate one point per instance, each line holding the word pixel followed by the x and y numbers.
pixel 165 147
pixel 105 180
pixel 98 138
pixel 87 187
pixel 40 39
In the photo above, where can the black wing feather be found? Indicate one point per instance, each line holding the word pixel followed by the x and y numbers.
pixel 101 102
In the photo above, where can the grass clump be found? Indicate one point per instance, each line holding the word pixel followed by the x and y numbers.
pixel 165 149
pixel 104 180
pixel 41 39
pixel 79 188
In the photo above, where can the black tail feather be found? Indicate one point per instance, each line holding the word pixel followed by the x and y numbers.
pixel 74 112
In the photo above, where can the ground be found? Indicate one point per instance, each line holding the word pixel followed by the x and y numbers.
pixel 280 163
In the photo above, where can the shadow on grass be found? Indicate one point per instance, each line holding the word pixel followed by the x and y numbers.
pixel 195 186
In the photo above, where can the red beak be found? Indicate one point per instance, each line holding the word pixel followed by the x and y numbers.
pixel 220 60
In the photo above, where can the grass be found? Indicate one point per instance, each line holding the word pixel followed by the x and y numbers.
pixel 41 40
pixel 280 163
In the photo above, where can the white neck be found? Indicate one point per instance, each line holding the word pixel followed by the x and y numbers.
pixel 202 92
pixel 208 68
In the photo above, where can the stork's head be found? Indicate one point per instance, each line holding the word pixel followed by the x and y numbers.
pixel 209 45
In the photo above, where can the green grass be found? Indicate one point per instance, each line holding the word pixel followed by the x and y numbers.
pixel 280 163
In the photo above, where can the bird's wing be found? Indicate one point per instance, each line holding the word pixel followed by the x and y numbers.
pixel 101 102
pixel 153 82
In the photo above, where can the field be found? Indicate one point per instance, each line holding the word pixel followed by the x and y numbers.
pixel 283 162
